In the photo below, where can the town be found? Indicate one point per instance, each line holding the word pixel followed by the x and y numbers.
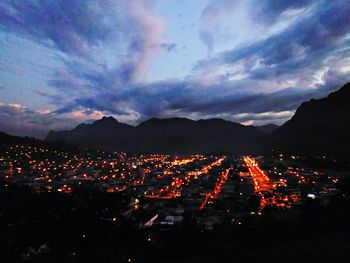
pixel 79 204
pixel 159 189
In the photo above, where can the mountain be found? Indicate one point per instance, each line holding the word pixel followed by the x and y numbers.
pixel 184 135
pixel 105 133
pixel 267 128
pixel 319 126
pixel 6 139
pixel 174 135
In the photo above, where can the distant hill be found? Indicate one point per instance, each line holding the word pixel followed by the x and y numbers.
pixel 174 135
pixel 318 126
pixel 6 139
pixel 105 133
pixel 267 128
pixel 10 139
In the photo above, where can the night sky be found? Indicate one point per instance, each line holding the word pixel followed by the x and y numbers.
pixel 63 62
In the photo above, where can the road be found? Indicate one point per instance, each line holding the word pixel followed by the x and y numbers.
pixel 262 183
pixel 214 194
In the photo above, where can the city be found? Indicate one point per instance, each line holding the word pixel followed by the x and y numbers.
pixel 154 131
pixel 156 193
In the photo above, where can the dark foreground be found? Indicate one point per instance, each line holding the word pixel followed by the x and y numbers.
pixel 51 227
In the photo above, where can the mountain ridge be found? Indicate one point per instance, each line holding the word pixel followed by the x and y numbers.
pixel 319 126
pixel 162 135
pixel 267 128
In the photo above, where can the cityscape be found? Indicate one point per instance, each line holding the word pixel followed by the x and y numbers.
pixel 158 131
pixel 154 194
pixel 207 185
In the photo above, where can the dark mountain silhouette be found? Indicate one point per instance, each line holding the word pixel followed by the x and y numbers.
pixel 267 128
pixel 106 133
pixel 174 135
pixel 10 139
pixel 319 126
pixel 6 139
pixel 184 135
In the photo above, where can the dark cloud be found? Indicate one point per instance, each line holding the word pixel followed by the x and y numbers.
pixel 276 74
pixel 81 27
pixel 298 52
pixel 284 100
pixel 185 98
pixel 265 13
pixel 70 25
pixel 270 11
pixel 306 43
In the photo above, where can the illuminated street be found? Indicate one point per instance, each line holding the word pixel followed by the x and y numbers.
pixel 262 182
pixel 217 189
pixel 153 194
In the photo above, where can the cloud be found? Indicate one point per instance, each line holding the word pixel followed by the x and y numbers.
pixel 268 12
pixel 211 20
pixel 105 48
pixel 190 98
pixel 86 28
pixel 278 117
pixel 146 40
pixel 221 15
pixel 71 26
pixel 169 46
pixel 306 43
pixel 17 119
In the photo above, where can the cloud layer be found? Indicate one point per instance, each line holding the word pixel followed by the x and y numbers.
pixel 102 51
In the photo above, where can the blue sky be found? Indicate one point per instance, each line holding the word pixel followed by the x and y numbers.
pixel 65 62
